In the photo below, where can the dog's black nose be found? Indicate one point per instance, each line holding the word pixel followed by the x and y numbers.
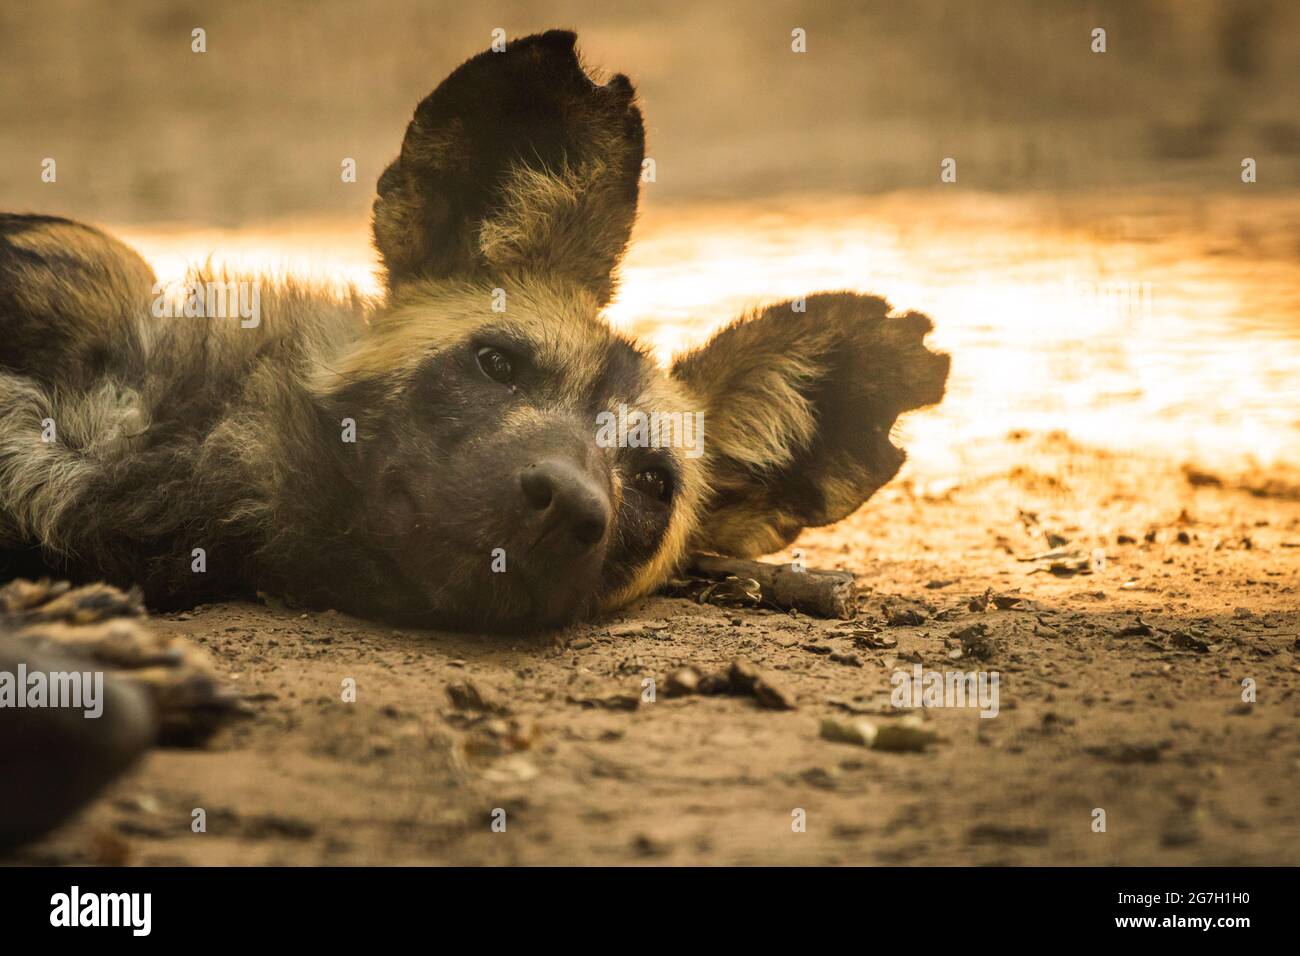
pixel 563 496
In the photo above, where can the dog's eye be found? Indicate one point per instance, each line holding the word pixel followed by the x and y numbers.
pixel 654 483
pixel 496 364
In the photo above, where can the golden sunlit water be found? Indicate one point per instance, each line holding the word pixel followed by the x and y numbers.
pixel 1172 327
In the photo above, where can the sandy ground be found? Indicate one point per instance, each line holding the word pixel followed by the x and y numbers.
pixel 1150 727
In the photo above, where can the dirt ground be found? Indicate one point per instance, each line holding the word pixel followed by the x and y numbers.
pixel 1147 722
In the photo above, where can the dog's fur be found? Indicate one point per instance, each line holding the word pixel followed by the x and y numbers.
pixel 518 173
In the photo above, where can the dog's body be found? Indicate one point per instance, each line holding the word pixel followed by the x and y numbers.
pixel 433 456
pixel 132 440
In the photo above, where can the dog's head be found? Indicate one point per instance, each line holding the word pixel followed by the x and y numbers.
pixel 522 463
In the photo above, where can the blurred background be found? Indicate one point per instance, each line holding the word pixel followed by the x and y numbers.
pixel 145 130
pixel 1098 268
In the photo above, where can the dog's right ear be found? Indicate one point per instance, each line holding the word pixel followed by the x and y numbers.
pixel 517 162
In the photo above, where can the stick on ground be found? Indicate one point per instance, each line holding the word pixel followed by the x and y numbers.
pixel 820 593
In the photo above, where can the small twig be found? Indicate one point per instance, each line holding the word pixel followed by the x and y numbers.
pixel 829 594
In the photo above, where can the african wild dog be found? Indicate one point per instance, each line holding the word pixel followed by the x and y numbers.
pixel 127 441
pixel 474 428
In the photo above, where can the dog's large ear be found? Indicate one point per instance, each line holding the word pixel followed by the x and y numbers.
pixel 798 411
pixel 518 161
